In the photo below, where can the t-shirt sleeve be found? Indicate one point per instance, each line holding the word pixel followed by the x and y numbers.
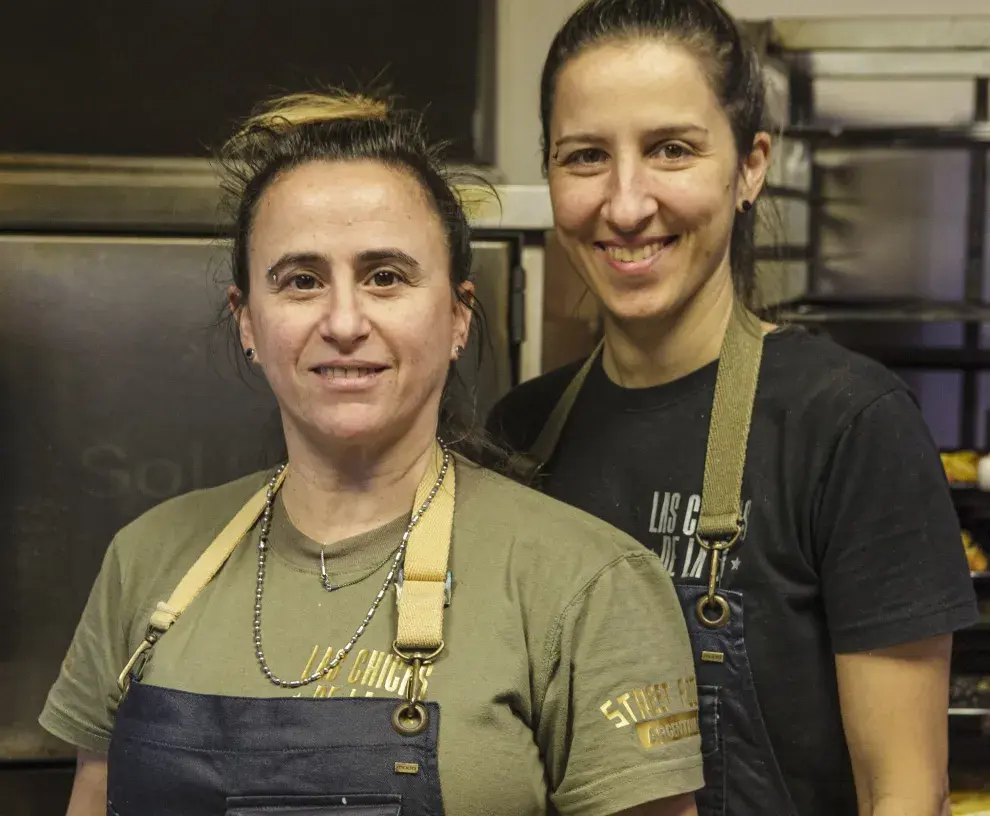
pixel 619 722
pixel 893 568
pixel 82 704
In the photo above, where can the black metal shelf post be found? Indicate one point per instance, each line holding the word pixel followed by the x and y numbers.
pixel 975 259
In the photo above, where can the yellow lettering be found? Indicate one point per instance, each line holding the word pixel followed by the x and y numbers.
pixel 642 704
pixel 320 692
pixel 374 664
pixel 651 702
pixel 386 667
pixel 406 677
pixel 359 661
pixel 688 690
pixel 655 697
pixel 353 693
pixel 669 729
pixel 662 691
pixel 332 691
pixel 623 700
pixel 424 683
pixel 615 716
pixel 309 663
pixel 327 657
pixel 392 678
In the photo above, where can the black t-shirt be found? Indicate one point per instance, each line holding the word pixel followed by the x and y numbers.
pixel 851 540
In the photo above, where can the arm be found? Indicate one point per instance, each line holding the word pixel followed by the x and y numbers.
pixel 617 724
pixel 89 790
pixel 676 806
pixel 895 710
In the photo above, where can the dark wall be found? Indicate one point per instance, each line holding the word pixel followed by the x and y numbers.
pixel 170 78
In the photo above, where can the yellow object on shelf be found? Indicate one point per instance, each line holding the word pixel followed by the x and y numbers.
pixel 970 804
pixel 961 467
pixel 977 559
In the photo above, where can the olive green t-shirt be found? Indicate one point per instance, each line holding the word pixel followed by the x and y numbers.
pixel 566 683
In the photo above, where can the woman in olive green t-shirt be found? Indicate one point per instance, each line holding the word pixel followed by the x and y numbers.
pixel 300 641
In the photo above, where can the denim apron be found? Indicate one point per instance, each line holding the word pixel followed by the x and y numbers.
pixel 742 777
pixel 175 753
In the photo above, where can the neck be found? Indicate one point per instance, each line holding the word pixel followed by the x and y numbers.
pixel 330 497
pixel 644 353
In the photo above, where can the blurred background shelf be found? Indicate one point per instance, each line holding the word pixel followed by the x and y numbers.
pixel 823 309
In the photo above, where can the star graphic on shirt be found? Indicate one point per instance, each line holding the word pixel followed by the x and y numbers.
pixel 735 564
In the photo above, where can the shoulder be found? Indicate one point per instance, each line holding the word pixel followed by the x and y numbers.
pixel 186 522
pixel 827 383
pixel 532 533
pixel 517 418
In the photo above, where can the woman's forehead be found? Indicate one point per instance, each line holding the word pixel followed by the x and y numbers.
pixel 347 204
pixel 627 81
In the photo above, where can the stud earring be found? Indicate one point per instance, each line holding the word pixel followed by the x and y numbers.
pixel 249 353
pixel 458 351
pixel 746 206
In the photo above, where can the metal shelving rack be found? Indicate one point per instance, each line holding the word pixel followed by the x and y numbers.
pixel 881 49
pixel 928 48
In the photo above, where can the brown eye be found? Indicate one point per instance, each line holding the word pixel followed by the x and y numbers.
pixel 303 282
pixel 586 156
pixel 386 277
pixel 673 151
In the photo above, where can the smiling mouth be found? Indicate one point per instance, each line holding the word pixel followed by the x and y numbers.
pixel 349 373
pixel 628 254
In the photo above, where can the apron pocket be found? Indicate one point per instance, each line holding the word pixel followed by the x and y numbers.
pixel 711 799
pixel 358 804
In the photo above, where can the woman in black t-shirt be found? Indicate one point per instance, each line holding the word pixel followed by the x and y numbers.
pixel 777 475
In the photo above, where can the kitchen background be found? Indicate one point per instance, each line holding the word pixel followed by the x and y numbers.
pixel 119 389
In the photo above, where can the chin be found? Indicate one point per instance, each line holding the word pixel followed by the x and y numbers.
pixel 653 303
pixel 356 425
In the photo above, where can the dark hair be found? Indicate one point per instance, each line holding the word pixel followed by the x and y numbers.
pixel 732 66
pixel 297 129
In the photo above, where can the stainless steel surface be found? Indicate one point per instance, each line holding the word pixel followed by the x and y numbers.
pixel 485 367
pixel 118 392
pixel 934 32
pixel 77 193
pixel 183 196
pixel 897 64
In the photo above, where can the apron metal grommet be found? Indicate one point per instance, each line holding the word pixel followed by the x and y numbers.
pixel 410 719
pixel 723 611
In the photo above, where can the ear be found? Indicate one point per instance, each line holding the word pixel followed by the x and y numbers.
pixel 753 170
pixel 242 314
pixel 463 314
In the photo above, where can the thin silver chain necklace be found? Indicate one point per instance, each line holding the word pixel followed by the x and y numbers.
pixel 266 524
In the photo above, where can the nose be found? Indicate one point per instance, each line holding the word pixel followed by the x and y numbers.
pixel 631 203
pixel 344 323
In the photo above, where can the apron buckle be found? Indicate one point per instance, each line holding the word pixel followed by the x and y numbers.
pixel 716 600
pixel 410 717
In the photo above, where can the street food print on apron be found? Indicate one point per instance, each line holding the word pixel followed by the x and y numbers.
pixel 742 776
pixel 175 752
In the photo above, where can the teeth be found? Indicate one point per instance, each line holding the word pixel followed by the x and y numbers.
pixel 632 254
pixel 347 373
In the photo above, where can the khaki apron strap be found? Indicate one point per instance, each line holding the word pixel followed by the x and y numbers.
pixel 212 559
pixel 542 450
pixel 728 432
pixel 422 595
pixel 427 553
pixel 199 575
